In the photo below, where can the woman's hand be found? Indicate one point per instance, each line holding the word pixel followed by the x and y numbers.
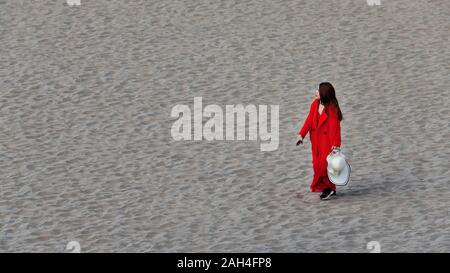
pixel 335 148
pixel 299 140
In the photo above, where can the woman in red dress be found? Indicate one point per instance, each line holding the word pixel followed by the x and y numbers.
pixel 323 126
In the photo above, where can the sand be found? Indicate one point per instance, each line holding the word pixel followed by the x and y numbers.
pixel 86 152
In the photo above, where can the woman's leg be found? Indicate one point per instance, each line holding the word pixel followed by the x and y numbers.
pixel 327 184
pixel 320 181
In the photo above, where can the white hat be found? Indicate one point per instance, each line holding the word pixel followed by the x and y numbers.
pixel 338 169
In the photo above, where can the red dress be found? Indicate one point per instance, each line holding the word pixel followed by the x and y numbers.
pixel 324 132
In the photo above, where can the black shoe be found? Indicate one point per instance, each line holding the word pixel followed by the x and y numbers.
pixel 327 194
pixel 324 193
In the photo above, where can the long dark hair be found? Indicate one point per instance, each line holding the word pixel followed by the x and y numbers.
pixel 328 96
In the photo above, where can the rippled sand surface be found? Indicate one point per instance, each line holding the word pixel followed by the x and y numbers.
pixel 86 152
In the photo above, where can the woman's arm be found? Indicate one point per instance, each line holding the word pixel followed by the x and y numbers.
pixel 308 122
pixel 335 129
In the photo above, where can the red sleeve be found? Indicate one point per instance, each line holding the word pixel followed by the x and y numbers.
pixel 335 128
pixel 308 122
